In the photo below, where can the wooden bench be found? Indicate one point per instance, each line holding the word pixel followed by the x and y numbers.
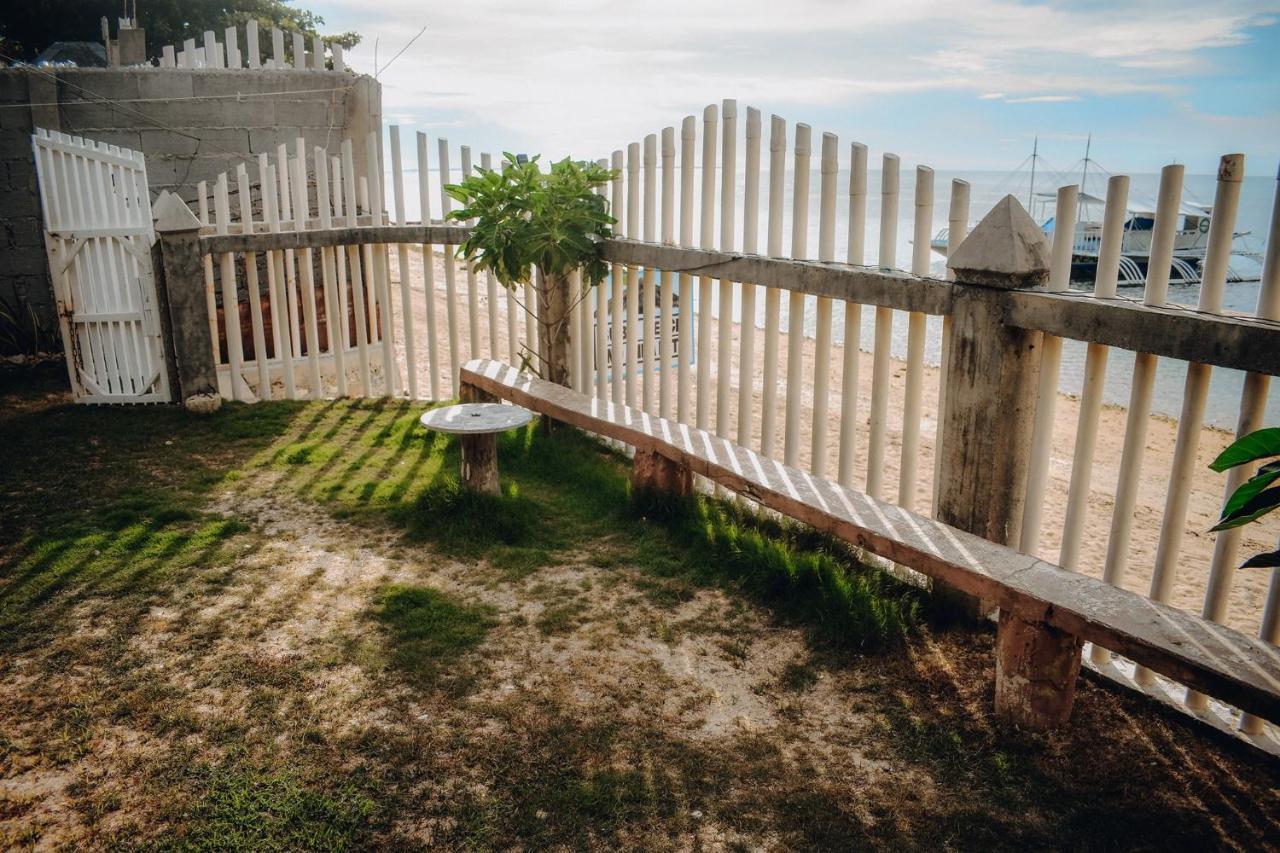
pixel 1033 687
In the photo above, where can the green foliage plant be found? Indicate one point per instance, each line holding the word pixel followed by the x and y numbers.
pixel 1256 496
pixel 552 223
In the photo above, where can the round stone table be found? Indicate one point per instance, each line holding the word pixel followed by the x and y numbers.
pixel 477 425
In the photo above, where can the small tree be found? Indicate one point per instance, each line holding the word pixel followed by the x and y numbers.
pixel 1258 495
pixel 528 220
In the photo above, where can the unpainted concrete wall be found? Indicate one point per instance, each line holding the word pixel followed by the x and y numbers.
pixel 190 123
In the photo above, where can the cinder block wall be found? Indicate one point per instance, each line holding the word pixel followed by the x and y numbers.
pixel 190 123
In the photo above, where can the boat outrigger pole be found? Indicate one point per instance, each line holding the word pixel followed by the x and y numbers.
pixel 1031 193
pixel 1084 175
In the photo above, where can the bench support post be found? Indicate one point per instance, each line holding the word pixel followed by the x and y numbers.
pixel 1036 670
pixel 652 470
pixel 987 429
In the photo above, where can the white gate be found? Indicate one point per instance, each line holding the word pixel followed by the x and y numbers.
pixel 98 236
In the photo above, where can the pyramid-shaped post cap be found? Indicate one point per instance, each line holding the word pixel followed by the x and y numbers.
pixel 1006 250
pixel 172 214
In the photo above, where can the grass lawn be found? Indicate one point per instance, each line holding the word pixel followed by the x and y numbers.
pixel 285 627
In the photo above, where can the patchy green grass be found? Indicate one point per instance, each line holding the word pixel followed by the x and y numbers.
pixel 246 810
pixel 429 632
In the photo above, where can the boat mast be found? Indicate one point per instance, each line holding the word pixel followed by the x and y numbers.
pixel 1031 193
pixel 1084 176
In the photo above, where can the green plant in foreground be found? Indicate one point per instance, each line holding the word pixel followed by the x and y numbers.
pixel 1256 496
pixel 550 221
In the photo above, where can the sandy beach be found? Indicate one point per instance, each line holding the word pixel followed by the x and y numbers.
pixel 1248 591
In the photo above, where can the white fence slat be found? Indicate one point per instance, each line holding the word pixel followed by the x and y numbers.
pixel 282 328
pixel 1095 370
pixel 251 285
pixel 339 63
pixel 666 310
pixel 473 295
pixel 707 210
pixel 233 47
pixel 772 295
pixel 688 141
pixel 450 273
pixel 1195 393
pixel 277 48
pixel 1144 374
pixel 317 53
pixel 253 51
pixel 382 276
pixel 299 51
pixel 168 57
pixel 828 167
pixel 649 302
pixel 958 219
pixel 359 299
pixel 402 261
pixel 600 313
pixel 616 284
pixel 491 287
pixel 849 377
pixel 795 303
pixel 631 331
pixel 429 268
pixel 913 394
pixel 1253 402
pixel 1064 230
pixel 880 356
pixel 306 276
pixel 335 313
pixel 230 298
pixel 283 170
pixel 728 201
pixel 750 241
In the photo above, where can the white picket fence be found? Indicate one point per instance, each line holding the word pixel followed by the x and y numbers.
pixel 209 52
pixel 687 346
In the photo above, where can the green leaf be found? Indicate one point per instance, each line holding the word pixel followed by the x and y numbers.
pixel 1268 560
pixel 1256 445
pixel 1248 490
pixel 1255 508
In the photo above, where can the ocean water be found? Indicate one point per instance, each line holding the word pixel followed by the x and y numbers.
pixel 986 188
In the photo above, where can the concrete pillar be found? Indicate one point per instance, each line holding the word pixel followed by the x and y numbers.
pixel 987 427
pixel 188 341
pixel 653 471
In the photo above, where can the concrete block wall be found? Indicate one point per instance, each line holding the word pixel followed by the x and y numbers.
pixel 190 123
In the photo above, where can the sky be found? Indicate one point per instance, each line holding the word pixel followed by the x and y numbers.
pixel 956 84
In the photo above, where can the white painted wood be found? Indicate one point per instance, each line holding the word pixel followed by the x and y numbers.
pixel 168 57
pixel 213 57
pixel 706 234
pixel 1253 402
pixel 1144 375
pixel 617 357
pixel 339 62
pixel 230 297
pixel 958 222
pixel 282 328
pixel 1064 229
pixel 335 313
pixel 880 356
pixel 429 272
pixel 666 310
pixel 359 301
pixel 233 47
pixel 913 392
pixel 849 377
pixel 402 270
pixel 317 53
pixel 283 172
pixel 688 140
pixel 724 328
pixel 473 294
pixel 491 285
pixel 253 51
pixel 649 302
pixel 1095 369
pixel 251 285
pixel 306 278
pixel 1195 393
pixel 299 51
pixel 277 48
pixel 773 296
pixel 386 314
pixel 632 331
pixel 750 243
pixel 828 166
pixel 450 274
pixel 210 299
pixel 795 305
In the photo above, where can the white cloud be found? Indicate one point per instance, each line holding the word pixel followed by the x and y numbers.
pixel 587 75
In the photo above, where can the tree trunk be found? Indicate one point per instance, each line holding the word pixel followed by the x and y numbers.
pixel 553 326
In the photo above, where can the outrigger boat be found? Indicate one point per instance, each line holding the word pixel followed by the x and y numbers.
pixel 1190 242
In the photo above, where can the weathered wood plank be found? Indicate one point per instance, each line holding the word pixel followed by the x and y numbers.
pixel 830 279
pixel 1211 658
pixel 345 236
pixel 1242 343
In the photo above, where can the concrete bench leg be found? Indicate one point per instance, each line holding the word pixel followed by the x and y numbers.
pixel 1036 670
pixel 652 470
pixel 480 462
